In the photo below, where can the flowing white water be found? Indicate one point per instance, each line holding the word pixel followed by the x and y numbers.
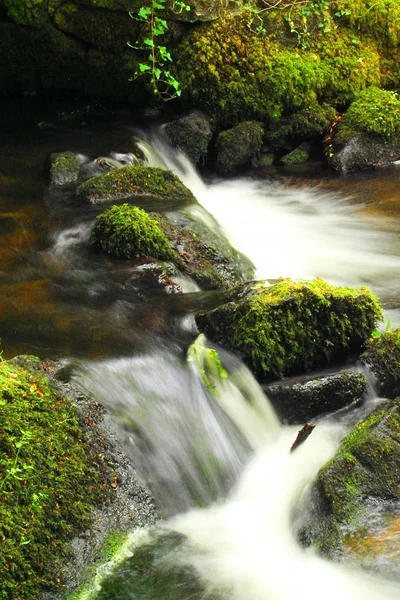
pixel 196 448
pixel 293 231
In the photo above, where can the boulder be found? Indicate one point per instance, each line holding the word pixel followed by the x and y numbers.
pixel 64 168
pixel 365 469
pixel 191 134
pixel 382 358
pixel 130 182
pixel 299 400
pixel 238 146
pixel 367 135
pixel 298 156
pixel 292 327
pixel 126 231
pixel 204 253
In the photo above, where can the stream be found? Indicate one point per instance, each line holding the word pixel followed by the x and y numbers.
pixel 220 469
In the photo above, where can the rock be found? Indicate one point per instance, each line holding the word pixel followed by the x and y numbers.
pixel 151 277
pixel 204 253
pixel 64 168
pixel 135 182
pixel 365 468
pixel 299 401
pixel 126 231
pixel 367 135
pixel 203 10
pixel 298 156
pixel 382 358
pixel 191 134
pixel 102 29
pixel 288 327
pixel 238 146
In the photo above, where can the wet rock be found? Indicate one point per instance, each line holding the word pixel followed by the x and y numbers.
pixel 367 135
pixel 364 472
pixel 297 401
pixel 151 277
pixel 106 30
pixel 64 168
pixel 288 327
pixel 238 146
pixel 130 182
pixel 298 156
pixel 382 358
pixel 204 253
pixel 191 134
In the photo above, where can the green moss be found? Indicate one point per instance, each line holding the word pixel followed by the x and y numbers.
pixel 293 327
pixel 64 168
pixel 208 365
pixel 28 12
pixel 379 18
pixel 366 465
pixel 127 231
pixel 135 181
pixel 382 356
pixel 235 74
pixel 239 145
pixel 374 112
pixel 48 481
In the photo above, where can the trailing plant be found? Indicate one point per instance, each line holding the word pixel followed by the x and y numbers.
pixel 162 82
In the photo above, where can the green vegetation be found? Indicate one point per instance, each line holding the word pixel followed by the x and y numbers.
pixel 292 327
pixel 208 365
pixel 127 231
pixel 382 356
pixel 365 466
pixel 129 182
pixel 162 82
pixel 30 12
pixel 48 482
pixel 374 112
pixel 236 75
pixel 237 146
pixel 64 168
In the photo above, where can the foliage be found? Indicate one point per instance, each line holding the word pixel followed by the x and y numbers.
pixel 48 481
pixel 208 365
pixel 127 231
pixel 292 327
pixel 374 112
pixel 163 83
pixel 235 75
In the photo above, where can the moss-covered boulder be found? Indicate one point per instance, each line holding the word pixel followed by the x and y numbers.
pixel 30 12
pixel 368 133
pixel 49 480
pixel 235 74
pixel 236 147
pixel 64 168
pixel 106 30
pixel 292 327
pixel 382 357
pixel 191 134
pixel 127 231
pixel 298 156
pixel 129 183
pixel 299 400
pixel 366 467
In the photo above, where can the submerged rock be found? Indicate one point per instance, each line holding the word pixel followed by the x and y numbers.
pixel 382 358
pixel 368 133
pixel 64 168
pixel 191 134
pixel 290 327
pixel 301 400
pixel 238 146
pixel 365 470
pixel 132 182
